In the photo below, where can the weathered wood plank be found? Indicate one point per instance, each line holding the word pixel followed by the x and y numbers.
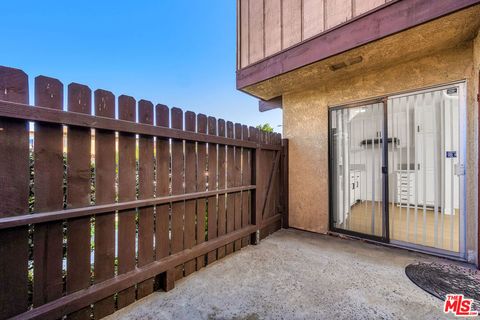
pixel 146 175
pixel 230 183
pixel 104 193
pixel 14 157
pixel 201 186
pixel 291 22
pixel 190 186
pixel 178 209
pixel 221 217
pixel 212 185
pixel 256 30
pixel 313 22
pixel 126 192
pixel 237 181
pixel 78 195
pixel 244 34
pixel 162 219
pixel 246 180
pixel 273 26
pixel 48 182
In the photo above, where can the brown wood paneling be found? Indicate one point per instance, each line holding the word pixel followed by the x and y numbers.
pixel 78 195
pixel 146 175
pixel 190 186
pixel 273 27
pixel 291 22
pixel 246 180
pixel 230 183
pixel 178 209
pixel 201 180
pixel 14 157
pixel 362 6
pixel 104 193
pixel 256 30
pixel 244 33
pixel 162 221
pixel 337 12
pixel 48 184
pixel 126 192
pixel 212 185
pixel 221 217
pixel 394 17
pixel 237 181
pixel 313 17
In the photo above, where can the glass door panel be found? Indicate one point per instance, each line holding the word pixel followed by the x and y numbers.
pixel 425 168
pixel 356 169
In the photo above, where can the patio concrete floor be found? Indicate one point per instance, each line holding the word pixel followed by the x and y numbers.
pixel 297 275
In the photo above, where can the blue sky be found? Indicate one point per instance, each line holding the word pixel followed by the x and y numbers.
pixel 180 53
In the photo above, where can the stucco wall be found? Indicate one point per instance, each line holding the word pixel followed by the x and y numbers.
pixel 306 125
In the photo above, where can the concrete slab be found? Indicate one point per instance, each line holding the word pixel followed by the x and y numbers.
pixel 297 275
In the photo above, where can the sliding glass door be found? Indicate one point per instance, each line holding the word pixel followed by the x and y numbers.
pixel 356 161
pixel 407 189
pixel 426 168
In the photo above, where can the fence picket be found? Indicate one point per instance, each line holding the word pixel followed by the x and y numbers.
pixel 190 186
pixel 145 191
pixel 14 187
pixel 237 180
pixel 230 183
pixel 162 223
pixel 212 185
pixel 178 208
pixel 201 186
pixel 126 192
pixel 104 193
pixel 246 180
pixel 48 155
pixel 78 195
pixel 222 214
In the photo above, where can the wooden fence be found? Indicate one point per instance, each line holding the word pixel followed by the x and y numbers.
pixel 97 211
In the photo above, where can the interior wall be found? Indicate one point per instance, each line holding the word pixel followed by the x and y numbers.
pixel 306 126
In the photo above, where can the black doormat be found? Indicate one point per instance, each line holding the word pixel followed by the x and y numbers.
pixel 442 279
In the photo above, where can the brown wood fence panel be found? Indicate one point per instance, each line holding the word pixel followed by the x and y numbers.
pixel 202 228
pixel 146 176
pixel 222 214
pixel 14 186
pixel 78 195
pixel 127 169
pixel 178 209
pixel 213 208
pixel 149 200
pixel 48 168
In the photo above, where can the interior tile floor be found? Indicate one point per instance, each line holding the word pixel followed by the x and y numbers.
pixel 298 275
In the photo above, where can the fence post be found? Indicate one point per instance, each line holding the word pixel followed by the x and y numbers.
pixel 284 173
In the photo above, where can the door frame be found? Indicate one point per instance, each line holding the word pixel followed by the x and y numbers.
pixel 385 192
pixel 385 238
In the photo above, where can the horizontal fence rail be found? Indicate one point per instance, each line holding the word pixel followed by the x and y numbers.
pixel 104 200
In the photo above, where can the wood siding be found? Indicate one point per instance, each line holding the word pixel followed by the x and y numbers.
pixel 266 27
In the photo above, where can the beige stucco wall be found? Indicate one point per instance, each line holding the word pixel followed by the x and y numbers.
pixel 306 127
